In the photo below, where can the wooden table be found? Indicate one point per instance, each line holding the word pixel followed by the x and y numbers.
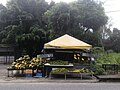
pixel 81 75
pixel 57 66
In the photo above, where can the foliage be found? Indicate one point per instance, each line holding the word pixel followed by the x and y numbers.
pixel 58 18
pixel 108 58
pixel 105 58
pixel 114 37
pixel 31 23
pixel 35 38
pixel 23 25
pixel 77 19
pixel 83 70
pixel 90 13
pixel 85 13
pixel 97 50
pixel 98 70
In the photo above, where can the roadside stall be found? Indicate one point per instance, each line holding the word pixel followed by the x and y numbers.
pixel 65 56
pixel 70 49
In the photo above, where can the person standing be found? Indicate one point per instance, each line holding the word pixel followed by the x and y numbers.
pixel 92 60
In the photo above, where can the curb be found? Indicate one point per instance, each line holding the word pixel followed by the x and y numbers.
pixel 48 81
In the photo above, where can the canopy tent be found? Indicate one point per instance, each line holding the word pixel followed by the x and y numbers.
pixel 67 42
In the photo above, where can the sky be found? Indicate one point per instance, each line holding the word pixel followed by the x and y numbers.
pixel 112 9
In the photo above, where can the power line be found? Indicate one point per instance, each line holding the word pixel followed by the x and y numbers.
pixel 105 1
pixel 112 11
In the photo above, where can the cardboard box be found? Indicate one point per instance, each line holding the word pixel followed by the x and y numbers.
pixel 28 71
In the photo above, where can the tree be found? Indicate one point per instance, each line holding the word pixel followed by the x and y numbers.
pixel 23 25
pixel 91 13
pixel 2 16
pixel 76 18
pixel 31 23
pixel 58 18
pixel 112 42
pixel 35 39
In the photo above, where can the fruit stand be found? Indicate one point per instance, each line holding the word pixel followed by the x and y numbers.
pixel 68 71
pixel 60 57
pixel 26 66
pixel 72 50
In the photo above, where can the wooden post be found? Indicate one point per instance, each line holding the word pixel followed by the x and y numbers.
pixel 12 73
pixel 81 75
pixel 50 75
pixel 8 72
pixel 117 69
pixel 65 75
pixel 114 67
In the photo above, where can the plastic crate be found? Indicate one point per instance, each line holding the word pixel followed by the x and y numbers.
pixel 38 74
pixel 28 75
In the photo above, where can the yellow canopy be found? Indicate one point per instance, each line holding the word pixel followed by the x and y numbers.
pixel 67 42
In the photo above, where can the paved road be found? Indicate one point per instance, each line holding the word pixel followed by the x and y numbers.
pixel 59 86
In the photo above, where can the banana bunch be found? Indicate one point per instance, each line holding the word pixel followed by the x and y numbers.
pixel 26 62
pixel 18 66
pixel 32 65
pixel 76 70
pixel 26 57
pixel 37 60
pixel 83 70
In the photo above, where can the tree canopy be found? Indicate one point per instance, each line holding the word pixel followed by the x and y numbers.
pixel 31 23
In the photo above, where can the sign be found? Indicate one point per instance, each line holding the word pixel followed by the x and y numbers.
pixel 45 55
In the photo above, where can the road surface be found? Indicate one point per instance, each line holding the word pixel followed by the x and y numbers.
pixel 59 86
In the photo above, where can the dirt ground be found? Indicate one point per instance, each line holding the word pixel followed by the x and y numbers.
pixel 3 71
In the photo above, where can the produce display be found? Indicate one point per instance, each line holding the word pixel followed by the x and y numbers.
pixel 58 62
pixel 25 62
pixel 59 70
pixel 83 70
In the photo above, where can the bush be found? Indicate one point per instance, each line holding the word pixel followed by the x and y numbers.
pixel 98 70
pixel 108 58
pixel 97 50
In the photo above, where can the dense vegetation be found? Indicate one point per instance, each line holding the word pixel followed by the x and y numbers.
pixel 108 58
pixel 30 23
pixel 104 57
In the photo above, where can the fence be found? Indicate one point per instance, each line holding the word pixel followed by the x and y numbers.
pixel 6 59
pixel 7 54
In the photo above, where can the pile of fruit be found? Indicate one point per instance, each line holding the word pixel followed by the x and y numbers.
pixel 58 62
pixel 59 70
pixel 25 62
pixel 83 70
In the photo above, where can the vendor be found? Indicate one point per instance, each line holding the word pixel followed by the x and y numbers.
pixel 47 70
pixel 92 60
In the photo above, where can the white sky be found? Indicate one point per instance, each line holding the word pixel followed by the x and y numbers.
pixel 113 5
pixel 110 5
